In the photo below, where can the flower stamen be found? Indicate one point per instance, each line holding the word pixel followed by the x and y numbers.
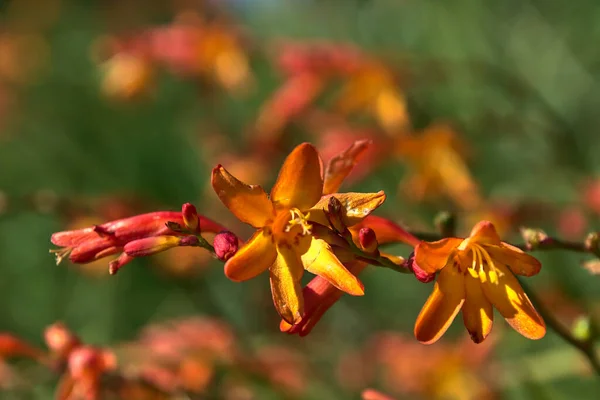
pixel 297 218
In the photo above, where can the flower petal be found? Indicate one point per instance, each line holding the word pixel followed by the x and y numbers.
pixel 441 307
pixel 485 233
pixel 299 184
pixel 249 203
pixel 386 231
pixel 320 260
pixel 286 288
pixel 518 261
pixel 478 314
pixel 432 256
pixel 257 255
pixel 503 290
pixel 356 206
pixel 341 165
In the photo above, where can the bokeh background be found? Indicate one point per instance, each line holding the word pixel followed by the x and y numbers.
pixel 115 108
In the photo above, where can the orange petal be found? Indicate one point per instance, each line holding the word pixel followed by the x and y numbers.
pixel 386 231
pixel 518 261
pixel 503 290
pixel 299 183
pixel 485 233
pixel 286 288
pixel 441 307
pixel 478 314
pixel 257 255
pixel 432 256
pixel 320 260
pixel 341 165
pixel 356 206
pixel 249 203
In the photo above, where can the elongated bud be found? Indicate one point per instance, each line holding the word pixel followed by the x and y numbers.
pixel 11 346
pixel 334 214
pixel 368 240
pixel 152 245
pixel 226 245
pixel 190 217
pixel 115 265
pixel 421 275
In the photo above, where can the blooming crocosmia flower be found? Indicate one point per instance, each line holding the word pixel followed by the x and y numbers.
pixel 98 241
pixel 284 242
pixel 475 274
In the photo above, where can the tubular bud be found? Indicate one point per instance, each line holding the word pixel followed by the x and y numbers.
pixel 190 217
pixel 152 245
pixel 368 240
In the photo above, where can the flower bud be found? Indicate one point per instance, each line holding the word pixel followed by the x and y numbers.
pixel 11 346
pixel 152 245
pixel 367 240
pixel 190 217
pixel 421 275
pixel 115 265
pixel 334 214
pixel 60 340
pixel 226 245
pixel 533 237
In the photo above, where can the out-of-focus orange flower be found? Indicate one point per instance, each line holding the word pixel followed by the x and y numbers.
pixel 572 223
pixel 435 158
pixel 475 274
pixel 284 242
pixel 86 366
pixel 459 370
pixel 126 76
pixel 283 367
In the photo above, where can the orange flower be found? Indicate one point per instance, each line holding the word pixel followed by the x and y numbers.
pixel 475 274
pixel 284 242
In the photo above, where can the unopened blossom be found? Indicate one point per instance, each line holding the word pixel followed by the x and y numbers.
pixel 284 242
pixel 474 275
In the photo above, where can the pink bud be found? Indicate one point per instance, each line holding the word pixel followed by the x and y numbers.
pixel 367 240
pixel 152 245
pixel 190 217
pixel 226 245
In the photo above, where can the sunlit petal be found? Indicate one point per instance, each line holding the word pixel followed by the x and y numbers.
pixel 320 260
pixel 432 256
pixel 478 314
pixel 299 183
pixel 485 233
pixel 519 262
pixel 441 307
pixel 356 206
pixel 249 203
pixel 286 274
pixel 503 290
pixel 341 165
pixel 257 255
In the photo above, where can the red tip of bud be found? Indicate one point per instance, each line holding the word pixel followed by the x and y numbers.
pixel 421 275
pixel 226 245
pixel 367 240
pixel 190 217
pixel 115 265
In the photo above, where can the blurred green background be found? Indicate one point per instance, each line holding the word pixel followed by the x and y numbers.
pixel 519 79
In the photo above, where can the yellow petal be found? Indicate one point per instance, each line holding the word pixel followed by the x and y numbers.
pixel 519 262
pixel 341 165
pixel 320 260
pixel 355 207
pixel 503 290
pixel 256 256
pixel 478 314
pixel 432 256
pixel 249 203
pixel 485 233
pixel 441 307
pixel 286 287
pixel 299 184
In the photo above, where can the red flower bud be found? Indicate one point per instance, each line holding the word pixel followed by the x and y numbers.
pixel 190 217
pixel 421 275
pixel 152 245
pixel 226 245
pixel 11 346
pixel 368 240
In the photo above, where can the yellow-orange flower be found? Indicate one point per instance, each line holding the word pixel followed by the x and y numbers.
pixel 475 274
pixel 284 242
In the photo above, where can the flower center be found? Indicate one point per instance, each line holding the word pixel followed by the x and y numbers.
pixel 475 259
pixel 290 225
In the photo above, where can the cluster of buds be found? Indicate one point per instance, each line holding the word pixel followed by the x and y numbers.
pixel 137 236
pixel 82 366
